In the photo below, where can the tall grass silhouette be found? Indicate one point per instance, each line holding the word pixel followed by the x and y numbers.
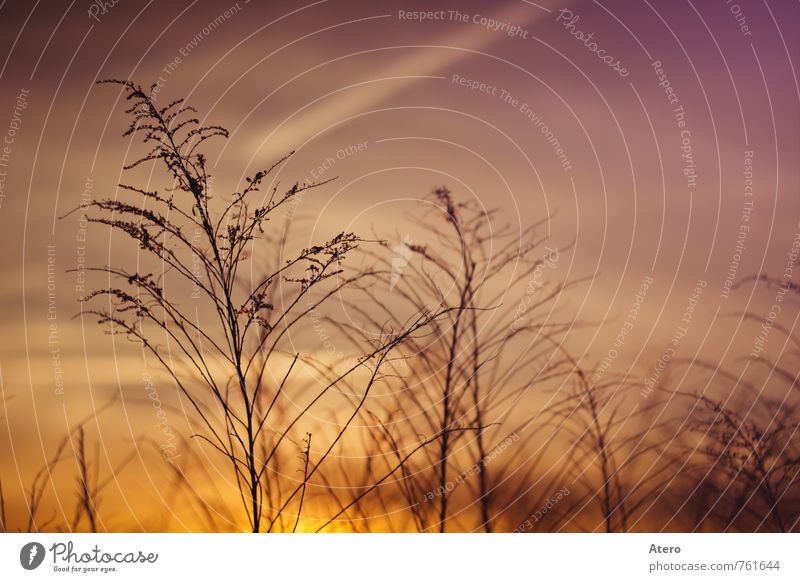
pixel 233 373
pixel 458 407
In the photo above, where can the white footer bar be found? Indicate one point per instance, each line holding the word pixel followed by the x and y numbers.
pixel 390 557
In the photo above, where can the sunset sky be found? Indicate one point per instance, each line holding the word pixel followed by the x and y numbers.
pixel 653 172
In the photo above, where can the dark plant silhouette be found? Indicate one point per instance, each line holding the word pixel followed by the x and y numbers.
pixel 233 372
pixel 751 464
pixel 615 460
pixel 457 405
pixel 749 439
pixel 465 377
pixel 90 484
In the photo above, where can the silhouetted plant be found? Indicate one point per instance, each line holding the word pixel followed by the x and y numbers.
pixel 613 441
pixel 748 441
pixel 90 485
pixel 469 372
pixel 235 361
pixel 754 461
